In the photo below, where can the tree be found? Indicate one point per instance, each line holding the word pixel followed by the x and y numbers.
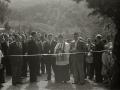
pixel 4 10
pixel 110 9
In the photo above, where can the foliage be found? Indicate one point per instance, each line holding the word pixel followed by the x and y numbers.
pixel 64 17
pixel 4 10
pixel 107 8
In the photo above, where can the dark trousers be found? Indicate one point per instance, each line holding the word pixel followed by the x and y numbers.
pixel 8 70
pixel 33 62
pixel 50 63
pixel 33 72
pixel 85 69
pixel 92 68
pixel 24 67
pixel 38 68
pixel 2 80
pixel 70 65
pixel 16 74
pixel 42 65
pixel 98 68
pixel 7 66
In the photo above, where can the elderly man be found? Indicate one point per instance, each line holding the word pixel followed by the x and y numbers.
pixel 78 60
pixel 15 48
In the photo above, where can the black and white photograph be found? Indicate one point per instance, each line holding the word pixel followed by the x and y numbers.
pixel 59 44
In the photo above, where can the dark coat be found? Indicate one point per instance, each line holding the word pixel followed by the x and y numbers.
pixel 41 50
pixel 80 47
pixel 4 48
pixel 50 48
pixel 33 48
pixel 15 50
pixel 24 47
pixel 97 56
pixel 4 51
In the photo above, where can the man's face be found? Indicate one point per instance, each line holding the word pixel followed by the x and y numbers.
pixel 35 36
pixel 49 38
pixel 60 39
pixel 19 38
pixel 75 37
pixel 7 37
pixel 89 40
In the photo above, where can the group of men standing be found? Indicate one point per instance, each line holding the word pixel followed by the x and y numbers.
pixel 18 61
pixel 16 51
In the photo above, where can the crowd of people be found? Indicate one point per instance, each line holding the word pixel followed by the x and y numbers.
pixel 39 54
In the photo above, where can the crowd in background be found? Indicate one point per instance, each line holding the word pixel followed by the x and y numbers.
pixel 94 62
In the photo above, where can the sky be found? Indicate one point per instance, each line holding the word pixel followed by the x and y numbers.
pixel 26 3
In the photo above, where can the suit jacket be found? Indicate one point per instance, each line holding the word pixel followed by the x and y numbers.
pixel 80 47
pixel 4 51
pixel 41 47
pixel 33 48
pixel 24 47
pixel 97 56
pixel 14 49
pixel 49 49
pixel 4 48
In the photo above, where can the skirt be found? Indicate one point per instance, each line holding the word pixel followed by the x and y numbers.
pixel 62 73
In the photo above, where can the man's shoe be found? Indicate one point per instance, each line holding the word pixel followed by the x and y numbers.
pixel 19 83
pixel 39 74
pixel 14 84
pixel 74 82
pixel 81 83
pixel 90 78
pixel 47 79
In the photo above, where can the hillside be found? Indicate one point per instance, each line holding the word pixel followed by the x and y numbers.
pixel 56 16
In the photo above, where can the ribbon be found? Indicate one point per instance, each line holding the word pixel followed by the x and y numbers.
pixel 59 53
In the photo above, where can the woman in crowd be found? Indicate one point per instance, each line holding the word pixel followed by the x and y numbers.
pixel 62 61
pixel 89 57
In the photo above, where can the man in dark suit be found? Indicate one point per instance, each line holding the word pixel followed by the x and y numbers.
pixel 78 60
pixel 33 61
pixel 41 49
pixel 5 46
pixel 15 48
pixel 24 52
pixel 50 59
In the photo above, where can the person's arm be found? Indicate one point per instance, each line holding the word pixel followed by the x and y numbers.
pixel 56 49
pixel 103 58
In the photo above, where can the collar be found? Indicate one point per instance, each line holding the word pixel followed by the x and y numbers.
pixel 33 38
